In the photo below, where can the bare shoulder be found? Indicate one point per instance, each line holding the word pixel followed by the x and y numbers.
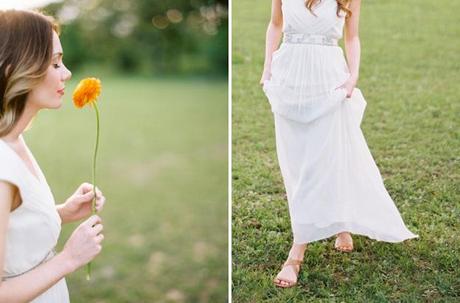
pixel 276 14
pixel 352 23
pixel 354 5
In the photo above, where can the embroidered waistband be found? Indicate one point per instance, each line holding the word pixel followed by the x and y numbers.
pixel 51 254
pixel 305 38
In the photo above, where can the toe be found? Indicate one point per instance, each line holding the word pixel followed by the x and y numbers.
pixel 283 283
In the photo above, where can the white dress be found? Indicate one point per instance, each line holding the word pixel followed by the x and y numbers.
pixel 33 227
pixel 331 179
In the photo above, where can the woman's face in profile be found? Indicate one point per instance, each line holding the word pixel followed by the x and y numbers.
pixel 49 93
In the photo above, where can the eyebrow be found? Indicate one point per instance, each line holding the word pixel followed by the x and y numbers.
pixel 59 54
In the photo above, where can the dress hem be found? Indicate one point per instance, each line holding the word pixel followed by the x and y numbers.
pixel 317 233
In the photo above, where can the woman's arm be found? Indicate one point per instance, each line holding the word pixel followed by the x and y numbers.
pixel 82 246
pixel 352 43
pixel 272 37
pixel 38 280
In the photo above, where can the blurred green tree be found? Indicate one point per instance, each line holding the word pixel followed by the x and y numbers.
pixel 145 36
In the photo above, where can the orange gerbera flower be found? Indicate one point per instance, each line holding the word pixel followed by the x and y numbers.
pixel 87 91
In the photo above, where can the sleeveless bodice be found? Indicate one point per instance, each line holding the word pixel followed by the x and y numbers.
pixel 309 65
pixel 298 19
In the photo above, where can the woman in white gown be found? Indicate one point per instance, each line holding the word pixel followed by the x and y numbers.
pixel 32 77
pixel 332 183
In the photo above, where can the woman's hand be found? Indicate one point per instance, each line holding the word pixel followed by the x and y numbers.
pixel 349 86
pixel 85 243
pixel 78 205
pixel 266 75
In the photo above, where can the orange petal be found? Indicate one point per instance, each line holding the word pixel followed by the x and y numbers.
pixel 87 91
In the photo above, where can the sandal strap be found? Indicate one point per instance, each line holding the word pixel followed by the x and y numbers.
pixel 292 262
pixel 290 283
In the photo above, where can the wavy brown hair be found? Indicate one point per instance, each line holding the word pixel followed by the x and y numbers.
pixel 341 5
pixel 26 47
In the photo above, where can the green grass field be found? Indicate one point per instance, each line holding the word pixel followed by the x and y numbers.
pixel 163 169
pixel 410 74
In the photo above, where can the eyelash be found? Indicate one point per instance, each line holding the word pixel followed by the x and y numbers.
pixel 56 66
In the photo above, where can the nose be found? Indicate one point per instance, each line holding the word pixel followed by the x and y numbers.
pixel 67 74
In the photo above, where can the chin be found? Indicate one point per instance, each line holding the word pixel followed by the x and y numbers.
pixel 54 105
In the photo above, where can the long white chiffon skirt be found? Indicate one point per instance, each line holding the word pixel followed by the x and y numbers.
pixel 331 179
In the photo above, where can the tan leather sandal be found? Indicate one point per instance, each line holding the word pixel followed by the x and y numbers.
pixel 289 262
pixel 343 248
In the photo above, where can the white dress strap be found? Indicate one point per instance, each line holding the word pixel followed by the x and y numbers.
pixel 10 171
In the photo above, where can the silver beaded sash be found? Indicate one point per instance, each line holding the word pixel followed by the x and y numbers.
pixel 305 38
pixel 51 254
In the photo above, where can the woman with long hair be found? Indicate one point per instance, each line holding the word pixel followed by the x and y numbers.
pixel 32 78
pixel 332 183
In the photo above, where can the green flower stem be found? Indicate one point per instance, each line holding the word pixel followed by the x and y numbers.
pixel 93 205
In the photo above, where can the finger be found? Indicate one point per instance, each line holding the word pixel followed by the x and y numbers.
pixel 90 195
pixel 96 229
pixel 86 197
pixel 88 187
pixel 99 195
pixel 99 238
pixel 85 187
pixel 350 92
pixel 100 203
pixel 98 191
pixel 94 219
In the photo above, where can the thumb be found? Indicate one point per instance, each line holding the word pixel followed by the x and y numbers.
pixel 86 197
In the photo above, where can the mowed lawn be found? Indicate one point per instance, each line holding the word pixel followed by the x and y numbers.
pixel 410 75
pixel 163 169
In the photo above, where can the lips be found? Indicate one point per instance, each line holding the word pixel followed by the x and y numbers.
pixel 61 91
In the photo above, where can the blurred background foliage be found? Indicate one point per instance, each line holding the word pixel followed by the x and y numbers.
pixel 145 37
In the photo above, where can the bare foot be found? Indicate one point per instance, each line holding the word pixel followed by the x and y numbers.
pixel 287 277
pixel 344 242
